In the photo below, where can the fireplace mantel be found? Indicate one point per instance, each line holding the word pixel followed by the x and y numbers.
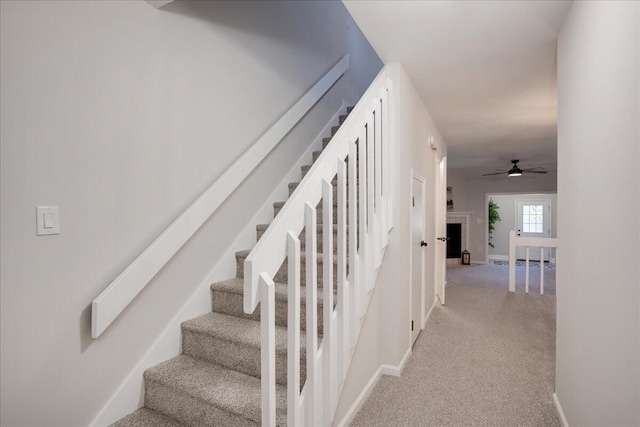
pixel 459 213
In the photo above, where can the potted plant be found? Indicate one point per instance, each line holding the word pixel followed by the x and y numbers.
pixel 494 216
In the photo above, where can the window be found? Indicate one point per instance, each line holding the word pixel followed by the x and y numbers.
pixel 532 218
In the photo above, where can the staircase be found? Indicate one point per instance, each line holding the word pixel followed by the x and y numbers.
pixel 216 380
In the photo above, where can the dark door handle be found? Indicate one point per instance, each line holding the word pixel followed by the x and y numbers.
pixel 423 243
pixel 442 239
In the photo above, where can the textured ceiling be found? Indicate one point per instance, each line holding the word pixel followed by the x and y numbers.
pixel 486 70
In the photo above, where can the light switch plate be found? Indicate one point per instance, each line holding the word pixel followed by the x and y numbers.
pixel 52 226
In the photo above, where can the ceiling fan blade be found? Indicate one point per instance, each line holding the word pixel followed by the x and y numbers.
pixel 495 173
pixel 532 171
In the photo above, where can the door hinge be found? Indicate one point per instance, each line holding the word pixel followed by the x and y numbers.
pixel 412 325
pixel 413 200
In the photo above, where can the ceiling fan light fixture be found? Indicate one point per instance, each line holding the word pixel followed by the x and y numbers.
pixel 515 172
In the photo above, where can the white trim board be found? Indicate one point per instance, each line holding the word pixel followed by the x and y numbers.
pixel 556 404
pixel 426 319
pixel 396 371
pixel 129 396
pixel 499 257
pixel 357 404
pixel 361 399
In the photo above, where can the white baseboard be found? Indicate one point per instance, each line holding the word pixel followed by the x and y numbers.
pixel 499 257
pixel 556 403
pixel 129 396
pixel 478 263
pixel 426 318
pixel 391 370
pixel 396 371
pixel 361 399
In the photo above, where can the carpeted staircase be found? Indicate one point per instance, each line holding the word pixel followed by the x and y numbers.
pixel 216 379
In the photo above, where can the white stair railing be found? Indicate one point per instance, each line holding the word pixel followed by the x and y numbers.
pixel 527 242
pixel 358 158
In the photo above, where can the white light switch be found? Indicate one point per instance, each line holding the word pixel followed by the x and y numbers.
pixel 47 220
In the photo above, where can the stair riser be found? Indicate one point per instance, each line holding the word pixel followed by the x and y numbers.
pixel 276 210
pixel 304 170
pixel 319 239
pixel 282 274
pixel 189 410
pixel 241 358
pixel 232 305
pixel 294 185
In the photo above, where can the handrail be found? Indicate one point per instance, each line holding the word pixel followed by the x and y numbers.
pixel 358 158
pixel 115 298
pixel 515 241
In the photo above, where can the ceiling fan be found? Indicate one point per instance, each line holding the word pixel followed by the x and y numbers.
pixel 516 171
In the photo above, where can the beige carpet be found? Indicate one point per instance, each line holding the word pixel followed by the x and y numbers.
pixel 487 359
pixel 494 276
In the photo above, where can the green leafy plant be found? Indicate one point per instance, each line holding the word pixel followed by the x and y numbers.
pixel 494 216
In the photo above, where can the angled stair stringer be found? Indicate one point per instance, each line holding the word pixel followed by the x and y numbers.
pixel 216 379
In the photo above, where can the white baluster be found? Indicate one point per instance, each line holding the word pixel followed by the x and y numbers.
pixel 268 349
pixel 541 270
pixel 343 292
pixel 512 261
pixel 312 384
pixel 354 263
pixel 377 221
pixel 384 171
pixel 293 331
pixel 363 250
pixel 526 270
pixel 327 300
pixel 373 254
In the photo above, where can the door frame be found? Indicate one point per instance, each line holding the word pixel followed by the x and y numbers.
pixel 549 219
pixel 416 176
pixel 440 270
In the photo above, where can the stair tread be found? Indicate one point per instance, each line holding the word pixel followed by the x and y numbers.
pixel 280 205
pixel 227 389
pixel 238 329
pixel 263 227
pixel 236 286
pixel 303 255
pixel 145 417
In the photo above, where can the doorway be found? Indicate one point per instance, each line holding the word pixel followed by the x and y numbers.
pixel 417 264
pixel 441 230
pixel 533 219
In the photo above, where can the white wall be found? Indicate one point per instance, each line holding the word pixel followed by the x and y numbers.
pixel 507 210
pixel 469 191
pixel 385 337
pixel 598 331
pixel 122 114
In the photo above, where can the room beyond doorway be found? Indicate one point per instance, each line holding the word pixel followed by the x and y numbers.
pixel 514 217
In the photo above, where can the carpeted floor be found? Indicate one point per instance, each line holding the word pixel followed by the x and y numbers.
pixel 487 358
pixel 494 276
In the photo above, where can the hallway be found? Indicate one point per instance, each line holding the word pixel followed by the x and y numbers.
pixel 487 358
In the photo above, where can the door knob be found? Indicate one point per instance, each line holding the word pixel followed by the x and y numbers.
pixel 423 243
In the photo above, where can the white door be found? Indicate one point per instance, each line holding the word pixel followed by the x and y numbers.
pixel 417 256
pixel 441 229
pixel 533 219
